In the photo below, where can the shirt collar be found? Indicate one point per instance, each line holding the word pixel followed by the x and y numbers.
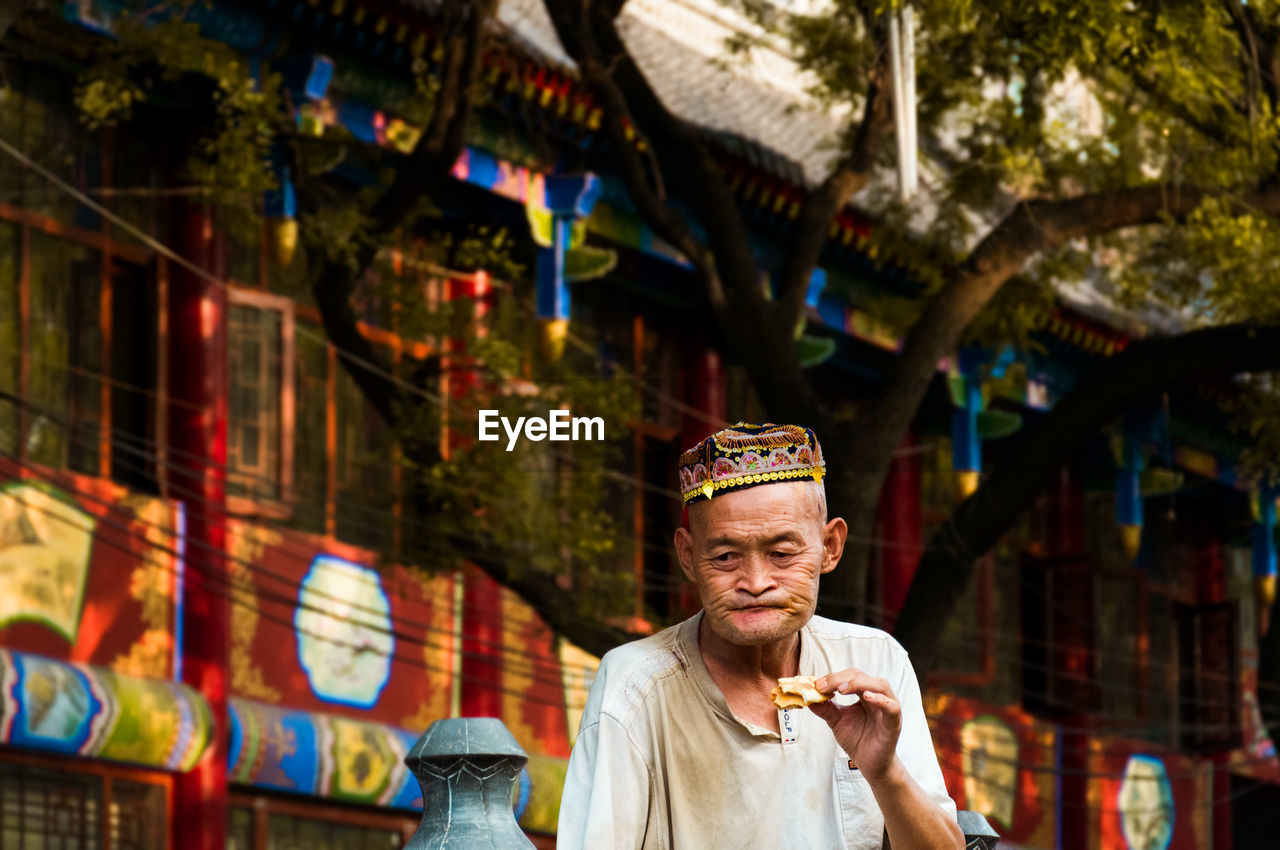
pixel 687 641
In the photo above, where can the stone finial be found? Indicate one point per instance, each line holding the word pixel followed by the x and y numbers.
pixel 978 834
pixel 467 768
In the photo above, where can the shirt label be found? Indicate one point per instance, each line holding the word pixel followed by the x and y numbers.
pixel 788 726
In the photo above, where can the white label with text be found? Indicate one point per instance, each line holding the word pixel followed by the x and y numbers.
pixel 787 724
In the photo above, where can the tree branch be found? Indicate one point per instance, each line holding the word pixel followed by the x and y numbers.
pixel 1144 370
pixel 558 607
pixel 428 166
pixel 1257 58
pixel 1214 128
pixel 589 35
pixel 574 30
pixel 424 171
pixel 849 177
pixel 751 327
pixel 1031 228
pixel 419 175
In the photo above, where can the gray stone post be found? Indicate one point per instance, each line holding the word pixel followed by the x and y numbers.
pixel 978 834
pixel 467 768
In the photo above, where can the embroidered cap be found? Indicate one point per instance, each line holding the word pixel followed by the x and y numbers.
pixel 746 455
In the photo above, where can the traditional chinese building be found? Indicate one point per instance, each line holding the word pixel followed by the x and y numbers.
pixel 201 642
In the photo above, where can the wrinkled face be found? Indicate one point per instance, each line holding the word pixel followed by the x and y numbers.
pixel 755 556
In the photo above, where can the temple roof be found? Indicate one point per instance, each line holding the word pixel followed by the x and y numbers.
pixel 758 101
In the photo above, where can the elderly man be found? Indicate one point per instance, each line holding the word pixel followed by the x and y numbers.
pixel 681 745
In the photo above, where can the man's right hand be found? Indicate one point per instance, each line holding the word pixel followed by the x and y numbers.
pixel 867 730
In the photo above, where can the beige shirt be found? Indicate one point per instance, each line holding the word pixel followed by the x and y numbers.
pixel 661 762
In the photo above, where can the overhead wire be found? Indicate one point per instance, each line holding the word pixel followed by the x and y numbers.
pixel 172 255
pixel 973 644
pixel 1058 770
pixel 225 588
pixel 508 653
pixel 219 517
pixel 164 251
pixel 558 683
pixel 286 553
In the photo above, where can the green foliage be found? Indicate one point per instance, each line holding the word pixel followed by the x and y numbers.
pixel 1051 99
pixel 548 505
pixel 231 160
pixel 337 232
pixel 1220 265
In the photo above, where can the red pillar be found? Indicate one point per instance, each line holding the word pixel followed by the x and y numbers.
pixel 481 686
pixel 1073 801
pixel 1064 520
pixel 901 528
pixel 1064 537
pixel 197 364
pixel 705 387
pixel 1222 801
pixel 481 646
pixel 1211 571
pixel 1211 577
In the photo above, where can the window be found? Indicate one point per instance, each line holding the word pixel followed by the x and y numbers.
pixel 1209 686
pixel 1059 604
pixel 657 515
pixel 260 408
pixel 78 347
pixel 310 435
pixel 1121 637
pixel 366 491
pixel 46 806
pixel 260 822
pixel 303 445
pixel 49 808
pixel 78 322
pixel 134 358
pixel 40 118
pixel 64 354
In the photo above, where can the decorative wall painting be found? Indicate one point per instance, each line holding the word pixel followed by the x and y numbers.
pixel 344 633
pixel 88 571
pixel 1141 798
pixel 317 627
pixel 1001 762
pixel 1145 801
pixel 78 709
pixel 45 541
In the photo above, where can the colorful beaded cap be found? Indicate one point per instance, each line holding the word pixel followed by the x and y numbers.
pixel 746 455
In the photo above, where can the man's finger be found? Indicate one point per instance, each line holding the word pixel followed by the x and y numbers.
pixel 831 712
pixel 852 681
pixel 827 711
pixel 882 702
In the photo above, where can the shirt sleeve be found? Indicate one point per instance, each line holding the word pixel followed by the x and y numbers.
pixel 605 805
pixel 915 744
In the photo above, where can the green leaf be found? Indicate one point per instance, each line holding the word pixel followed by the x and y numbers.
pixel 813 350
pixel 996 424
pixel 589 263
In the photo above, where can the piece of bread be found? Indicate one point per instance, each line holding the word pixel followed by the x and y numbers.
pixel 796 692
